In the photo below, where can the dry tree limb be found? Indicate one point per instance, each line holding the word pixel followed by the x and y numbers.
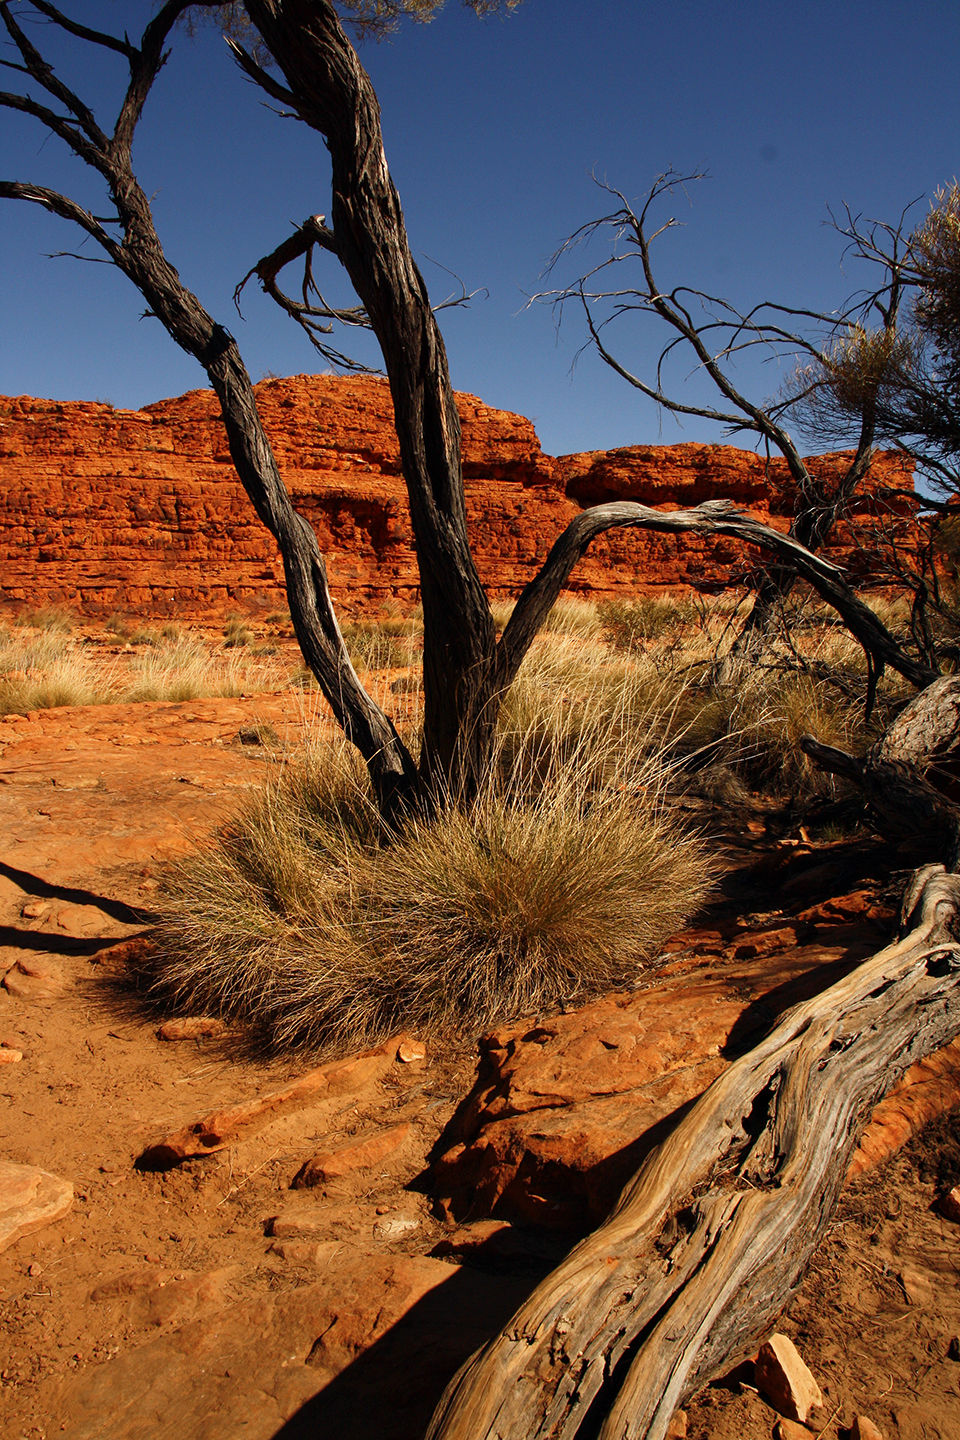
pixel 711 1237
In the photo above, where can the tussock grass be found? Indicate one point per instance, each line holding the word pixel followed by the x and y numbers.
pixel 387 642
pixel 236 633
pixel 310 925
pixel 48 670
pixel 573 617
pixel 56 619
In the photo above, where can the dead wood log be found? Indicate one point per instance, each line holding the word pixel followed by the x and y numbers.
pixel 711 1237
pixel 906 805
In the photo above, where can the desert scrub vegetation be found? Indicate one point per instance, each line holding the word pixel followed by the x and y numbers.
pixel 386 642
pixel 47 669
pixel 309 924
pixel 55 619
pixel 627 624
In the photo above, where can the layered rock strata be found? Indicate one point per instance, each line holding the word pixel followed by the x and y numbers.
pixel 141 511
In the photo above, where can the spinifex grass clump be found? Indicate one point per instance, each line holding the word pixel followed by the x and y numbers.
pixel 309 923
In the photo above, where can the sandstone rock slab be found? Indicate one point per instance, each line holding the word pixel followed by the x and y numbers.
pixel 30 1199
pixel 329 1359
pixel 225 1127
pixel 360 1153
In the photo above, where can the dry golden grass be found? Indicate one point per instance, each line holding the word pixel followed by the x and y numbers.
pixel 309 924
pixel 47 669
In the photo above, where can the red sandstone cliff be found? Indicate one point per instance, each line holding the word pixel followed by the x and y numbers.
pixel 105 509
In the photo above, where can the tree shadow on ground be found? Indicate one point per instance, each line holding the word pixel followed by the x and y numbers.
pixel 391 1390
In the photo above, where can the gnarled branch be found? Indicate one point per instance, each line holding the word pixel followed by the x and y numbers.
pixel 712 1236
pixel 713 517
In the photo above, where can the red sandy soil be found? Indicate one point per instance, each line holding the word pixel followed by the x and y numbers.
pixel 212 1300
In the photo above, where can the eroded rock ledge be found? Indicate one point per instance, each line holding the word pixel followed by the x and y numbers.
pixel 140 510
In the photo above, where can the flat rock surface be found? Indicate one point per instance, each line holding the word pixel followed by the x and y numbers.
pixel 564 1110
pixel 29 1200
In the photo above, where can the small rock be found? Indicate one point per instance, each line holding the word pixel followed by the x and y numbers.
pixel 791 1430
pixel 84 921
pixel 785 1380
pixel 306 1252
pixel 410 1050
pixel 31 979
pixel 916 1287
pixel 395 1227
pixel 677 1429
pixel 864 1429
pixel 763 942
pixel 359 1154
pixel 9 1057
pixel 35 910
pixel 191 1027
pixel 949 1205
pixel 131 1282
pixel 295 1227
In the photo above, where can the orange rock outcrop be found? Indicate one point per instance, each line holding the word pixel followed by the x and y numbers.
pixel 141 511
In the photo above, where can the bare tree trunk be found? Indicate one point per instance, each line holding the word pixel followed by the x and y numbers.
pixel 140 256
pixel 927 730
pixel 332 92
pixel 712 1236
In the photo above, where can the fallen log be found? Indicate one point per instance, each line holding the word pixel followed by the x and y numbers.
pixel 927 730
pixel 905 804
pixel 712 1236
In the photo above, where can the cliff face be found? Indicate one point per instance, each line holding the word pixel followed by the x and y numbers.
pixel 141 511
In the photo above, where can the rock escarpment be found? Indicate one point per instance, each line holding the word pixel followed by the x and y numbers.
pixel 105 509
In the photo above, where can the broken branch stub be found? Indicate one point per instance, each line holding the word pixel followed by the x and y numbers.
pixel 711 1237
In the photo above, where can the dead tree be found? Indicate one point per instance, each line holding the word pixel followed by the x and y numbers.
pixel 466 669
pixel 715 340
pixel 711 1238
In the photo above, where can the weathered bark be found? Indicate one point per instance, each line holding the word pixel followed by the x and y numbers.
pixel 896 773
pixel 927 730
pixel 711 1237
pixel 331 91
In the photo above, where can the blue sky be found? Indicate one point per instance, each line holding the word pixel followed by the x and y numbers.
pixel 493 130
